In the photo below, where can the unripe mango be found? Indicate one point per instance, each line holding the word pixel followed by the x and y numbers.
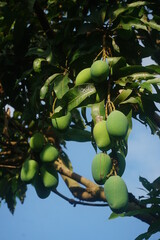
pixel 116 193
pixel 49 177
pixel 101 166
pixel 62 123
pixel 29 170
pixel 37 141
pixel 37 64
pixel 41 190
pixel 99 71
pixel 117 124
pixel 83 76
pixel 101 136
pixel 49 153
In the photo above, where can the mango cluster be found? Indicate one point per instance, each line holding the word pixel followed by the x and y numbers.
pixel 39 170
pixel 107 169
pixel 98 72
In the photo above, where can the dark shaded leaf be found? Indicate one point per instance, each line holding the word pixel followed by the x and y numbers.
pixel 146 184
pixel 77 135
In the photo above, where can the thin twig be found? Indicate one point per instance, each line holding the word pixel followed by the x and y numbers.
pixel 9 166
pixel 74 202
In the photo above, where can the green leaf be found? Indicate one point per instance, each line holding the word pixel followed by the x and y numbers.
pixel 115 215
pixel 61 85
pixel 121 10
pixel 77 135
pixel 51 78
pixel 132 100
pixel 143 236
pixel 153 228
pixel 76 95
pixel 43 91
pixel 152 24
pixel 152 200
pixel 116 63
pixel 154 81
pixel 128 22
pixel 146 184
pixel 138 71
pixel 66 160
pixel 122 96
pixel 147 86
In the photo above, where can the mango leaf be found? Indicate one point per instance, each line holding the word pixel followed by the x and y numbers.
pixel 77 135
pixel 153 228
pixel 138 69
pixel 76 95
pixel 51 78
pixel 146 184
pixel 147 86
pixel 66 160
pixel 152 24
pixel 116 62
pixel 154 81
pixel 143 236
pixel 115 215
pixel 61 85
pixel 150 98
pixel 133 5
pixel 152 200
pixel 132 100
pixel 128 23
pixel 122 96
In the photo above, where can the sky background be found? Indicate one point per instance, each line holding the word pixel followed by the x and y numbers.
pixel 54 218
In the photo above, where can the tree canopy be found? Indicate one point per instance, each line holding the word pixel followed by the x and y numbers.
pixel 44 45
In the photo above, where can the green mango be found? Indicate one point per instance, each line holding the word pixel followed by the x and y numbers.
pixel 101 136
pixel 116 193
pixel 101 166
pixel 37 141
pixel 62 123
pixel 29 170
pixel 99 71
pixel 49 177
pixel 37 64
pixel 41 190
pixel 117 124
pixel 83 76
pixel 49 153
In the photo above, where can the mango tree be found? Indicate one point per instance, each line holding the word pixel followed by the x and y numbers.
pixel 59 61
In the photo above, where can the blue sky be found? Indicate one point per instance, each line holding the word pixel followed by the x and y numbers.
pixel 53 218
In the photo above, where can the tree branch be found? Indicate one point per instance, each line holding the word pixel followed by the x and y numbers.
pixel 74 202
pixel 93 192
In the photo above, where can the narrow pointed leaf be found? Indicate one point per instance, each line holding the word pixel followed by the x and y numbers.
pixel 61 85
pixel 78 94
pixel 122 96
